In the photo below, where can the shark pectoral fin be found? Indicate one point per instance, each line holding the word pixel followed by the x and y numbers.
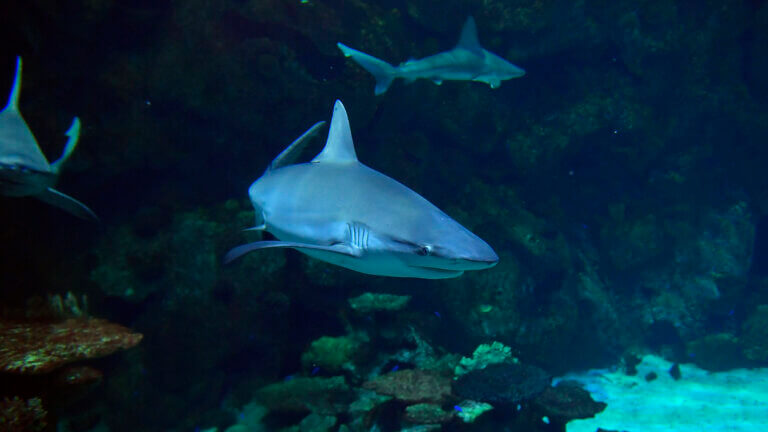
pixel 74 136
pixel 68 204
pixel 293 151
pixel 339 248
pixel 494 83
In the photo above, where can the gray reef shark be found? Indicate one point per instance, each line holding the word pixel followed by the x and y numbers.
pixel 468 61
pixel 338 210
pixel 24 170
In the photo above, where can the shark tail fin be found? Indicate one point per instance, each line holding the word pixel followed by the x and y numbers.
pixel 74 136
pixel 13 99
pixel 382 71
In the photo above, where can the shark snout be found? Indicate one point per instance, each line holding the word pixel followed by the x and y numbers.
pixel 472 253
pixel 481 258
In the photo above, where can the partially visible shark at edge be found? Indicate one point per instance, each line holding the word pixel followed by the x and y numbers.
pixel 340 211
pixel 24 170
pixel 468 61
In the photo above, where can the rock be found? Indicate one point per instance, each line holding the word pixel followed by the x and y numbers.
pixel 567 401
pixel 717 352
pixel 317 394
pixel 754 336
pixel 502 383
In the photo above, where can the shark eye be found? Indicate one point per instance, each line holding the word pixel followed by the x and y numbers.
pixel 425 250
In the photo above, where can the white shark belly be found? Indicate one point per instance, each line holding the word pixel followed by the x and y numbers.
pixel 381 265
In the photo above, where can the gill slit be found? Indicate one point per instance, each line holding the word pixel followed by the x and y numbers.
pixel 358 235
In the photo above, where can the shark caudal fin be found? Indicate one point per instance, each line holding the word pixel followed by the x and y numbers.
pixel 382 71
pixel 13 99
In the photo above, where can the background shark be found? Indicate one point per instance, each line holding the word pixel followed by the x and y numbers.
pixel 340 211
pixel 24 170
pixel 468 61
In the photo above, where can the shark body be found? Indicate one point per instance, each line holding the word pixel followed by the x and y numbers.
pixel 24 170
pixel 338 210
pixel 468 61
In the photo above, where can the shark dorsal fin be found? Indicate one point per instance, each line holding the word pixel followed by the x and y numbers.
pixel 339 147
pixel 13 99
pixel 468 39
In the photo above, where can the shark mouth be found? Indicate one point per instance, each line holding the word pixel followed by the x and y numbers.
pixel 445 272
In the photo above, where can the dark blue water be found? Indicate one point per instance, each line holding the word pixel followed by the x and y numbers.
pixel 621 181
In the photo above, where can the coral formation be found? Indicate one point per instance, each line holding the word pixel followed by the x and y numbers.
pixel 35 347
pixel 370 302
pixel 249 419
pixel 332 353
pixel 17 415
pixel 427 413
pixel 469 410
pixel 316 394
pixel 412 385
pixel 317 423
pixel 484 355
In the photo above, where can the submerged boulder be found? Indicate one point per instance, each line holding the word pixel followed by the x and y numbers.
pixel 502 383
pixel 567 401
